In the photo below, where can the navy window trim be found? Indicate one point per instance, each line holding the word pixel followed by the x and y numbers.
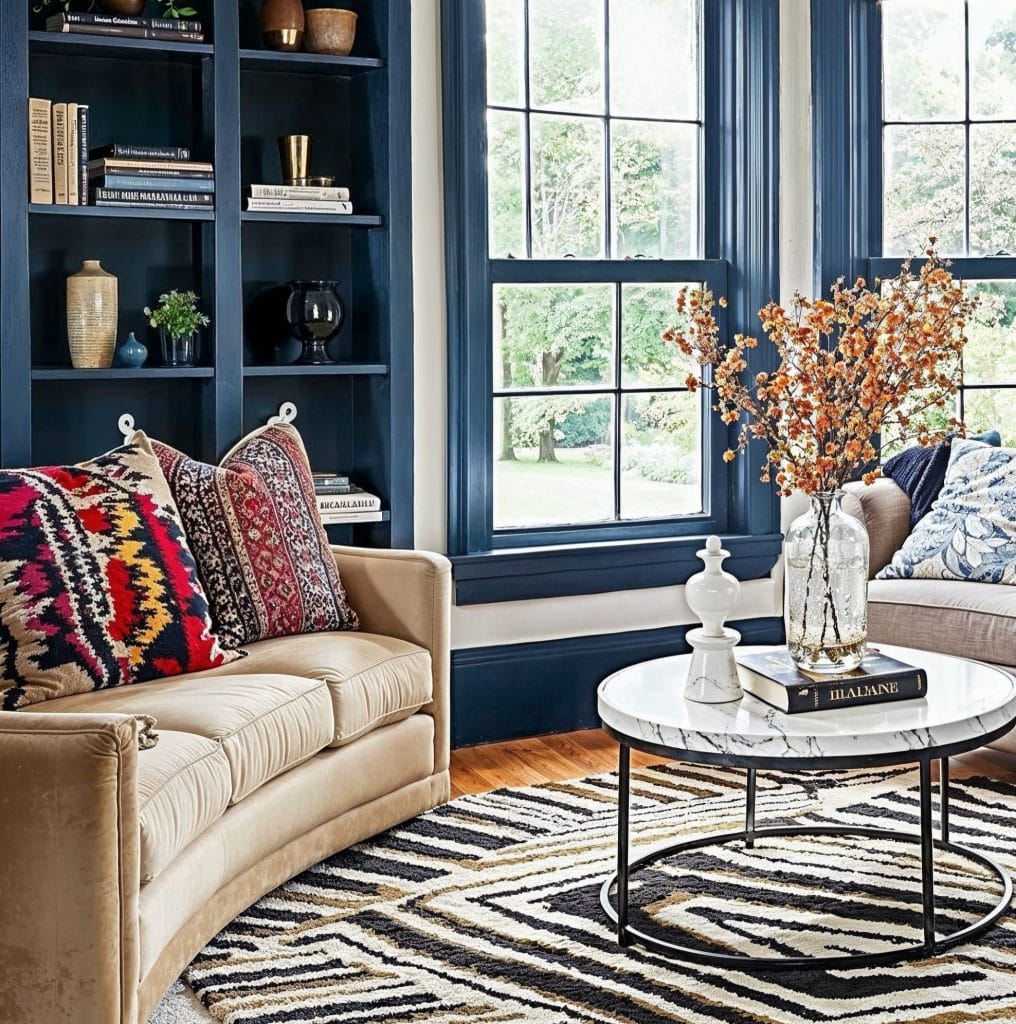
pixel 740 52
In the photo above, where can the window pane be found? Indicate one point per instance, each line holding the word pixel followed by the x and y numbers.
pixel 506 184
pixel 568 200
pixel 566 54
pixel 506 20
pixel 990 353
pixel 924 76
pixel 661 460
pixel 992 58
pixel 553 461
pixel 553 335
pixel 992 188
pixel 654 59
pixel 924 171
pixel 646 359
pixel 655 185
pixel 991 409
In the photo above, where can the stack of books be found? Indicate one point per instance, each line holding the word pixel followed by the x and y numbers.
pixel 339 501
pixel 162 176
pixel 58 152
pixel 775 679
pixel 166 29
pixel 299 199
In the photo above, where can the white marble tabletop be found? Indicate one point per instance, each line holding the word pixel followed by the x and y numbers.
pixel 966 701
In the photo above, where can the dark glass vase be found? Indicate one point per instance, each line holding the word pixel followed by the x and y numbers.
pixel 315 314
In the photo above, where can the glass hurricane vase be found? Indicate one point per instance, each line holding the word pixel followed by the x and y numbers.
pixel 827 587
pixel 178 349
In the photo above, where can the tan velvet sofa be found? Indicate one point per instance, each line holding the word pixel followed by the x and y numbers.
pixel 117 865
pixel 971 620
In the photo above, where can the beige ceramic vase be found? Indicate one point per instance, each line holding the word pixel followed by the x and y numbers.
pixel 92 310
pixel 331 30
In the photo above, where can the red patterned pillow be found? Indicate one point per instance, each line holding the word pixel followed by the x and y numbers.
pixel 254 527
pixel 97 585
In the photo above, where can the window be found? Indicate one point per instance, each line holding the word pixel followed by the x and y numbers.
pixel 943 164
pixel 592 170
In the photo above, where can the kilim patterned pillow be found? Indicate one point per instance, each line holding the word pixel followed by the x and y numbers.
pixel 254 527
pixel 97 585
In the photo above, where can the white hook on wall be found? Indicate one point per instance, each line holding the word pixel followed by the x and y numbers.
pixel 286 414
pixel 125 424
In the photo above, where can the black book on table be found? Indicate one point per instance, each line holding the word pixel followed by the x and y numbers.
pixel 774 678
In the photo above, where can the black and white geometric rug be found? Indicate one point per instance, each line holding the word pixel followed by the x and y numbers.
pixel 486 911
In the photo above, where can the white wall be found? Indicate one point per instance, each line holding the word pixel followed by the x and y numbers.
pixel 522 621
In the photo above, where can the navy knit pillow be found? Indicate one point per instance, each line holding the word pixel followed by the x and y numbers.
pixel 920 472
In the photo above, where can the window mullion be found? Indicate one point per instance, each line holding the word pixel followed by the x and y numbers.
pixel 527 139
pixel 618 334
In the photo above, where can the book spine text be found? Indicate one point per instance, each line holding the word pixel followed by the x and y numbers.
pixel 129 152
pixel 40 150
pixel 60 154
pixel 73 156
pixel 83 134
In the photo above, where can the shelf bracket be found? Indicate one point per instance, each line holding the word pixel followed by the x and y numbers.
pixel 125 424
pixel 286 414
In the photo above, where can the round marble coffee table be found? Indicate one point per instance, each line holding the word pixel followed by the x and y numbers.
pixel 968 704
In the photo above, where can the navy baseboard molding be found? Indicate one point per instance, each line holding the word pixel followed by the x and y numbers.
pixel 507 692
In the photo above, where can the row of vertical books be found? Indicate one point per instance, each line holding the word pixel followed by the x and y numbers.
pixel 64 171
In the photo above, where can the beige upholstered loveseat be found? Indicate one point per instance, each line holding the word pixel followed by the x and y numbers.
pixel 117 865
pixel 971 620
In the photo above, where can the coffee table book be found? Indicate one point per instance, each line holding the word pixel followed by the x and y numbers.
pixel 774 678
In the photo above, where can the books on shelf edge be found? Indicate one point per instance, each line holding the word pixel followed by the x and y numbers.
pixel 108 164
pixel 149 206
pixel 129 151
pixel 128 32
pixel 357 500
pixel 338 518
pixel 40 150
pixel 148 197
pixel 774 678
pixel 83 135
pixel 73 156
pixel 298 206
pixel 322 490
pixel 60 154
pixel 100 169
pixel 307 193
pixel 330 479
pixel 143 181
pixel 85 18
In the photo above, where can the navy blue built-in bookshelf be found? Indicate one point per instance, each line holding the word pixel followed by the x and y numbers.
pixel 228 100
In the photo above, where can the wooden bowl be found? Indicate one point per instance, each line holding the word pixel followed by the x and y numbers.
pixel 330 30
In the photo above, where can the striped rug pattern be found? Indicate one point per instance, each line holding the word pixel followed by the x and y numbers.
pixel 485 911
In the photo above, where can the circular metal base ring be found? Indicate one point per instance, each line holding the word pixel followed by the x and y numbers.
pixel 676 951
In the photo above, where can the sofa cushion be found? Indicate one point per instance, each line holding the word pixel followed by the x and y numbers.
pixel 373 680
pixel 184 785
pixel 98 586
pixel 970 620
pixel 265 723
pixel 254 527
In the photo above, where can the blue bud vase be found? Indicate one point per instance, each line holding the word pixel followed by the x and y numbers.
pixel 131 354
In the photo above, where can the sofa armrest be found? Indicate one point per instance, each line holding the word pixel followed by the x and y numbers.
pixel 408 595
pixel 884 508
pixel 69 868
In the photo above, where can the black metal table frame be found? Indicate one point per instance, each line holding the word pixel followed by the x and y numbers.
pixel 932 942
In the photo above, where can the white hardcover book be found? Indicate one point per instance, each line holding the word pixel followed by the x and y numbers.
pixel 60 154
pixel 297 206
pixel 73 158
pixel 354 502
pixel 40 150
pixel 306 193
pixel 337 519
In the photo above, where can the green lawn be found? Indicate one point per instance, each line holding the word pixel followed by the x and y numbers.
pixel 573 490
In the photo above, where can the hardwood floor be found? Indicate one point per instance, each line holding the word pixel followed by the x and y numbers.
pixel 574 754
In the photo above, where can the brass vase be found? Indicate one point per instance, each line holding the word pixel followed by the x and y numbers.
pixel 92 310
pixel 282 24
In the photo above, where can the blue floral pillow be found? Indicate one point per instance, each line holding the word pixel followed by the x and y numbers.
pixel 970 532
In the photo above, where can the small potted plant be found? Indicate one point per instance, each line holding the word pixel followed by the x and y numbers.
pixel 178 319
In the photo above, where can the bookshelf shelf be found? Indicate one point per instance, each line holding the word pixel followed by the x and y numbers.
pixel 227 101
pixel 117 373
pixel 349 220
pixel 64 44
pixel 335 370
pixel 308 63
pixel 120 212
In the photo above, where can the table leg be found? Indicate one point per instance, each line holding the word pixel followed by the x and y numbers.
pixel 623 788
pixel 927 857
pixel 749 811
pixel 943 797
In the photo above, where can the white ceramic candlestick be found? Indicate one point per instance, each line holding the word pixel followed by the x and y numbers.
pixel 712 595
